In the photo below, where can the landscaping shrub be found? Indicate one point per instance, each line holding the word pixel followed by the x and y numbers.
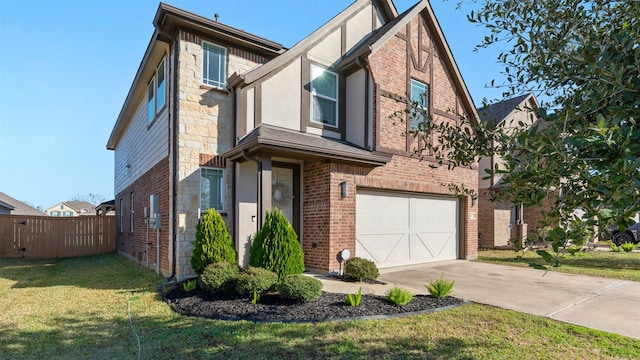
pixel 440 288
pixel 574 249
pixel 220 277
pixel 399 296
pixel 213 242
pixel 300 288
pixel 360 269
pixel 276 247
pixel 628 246
pixel 256 281
pixel 615 248
pixel 354 299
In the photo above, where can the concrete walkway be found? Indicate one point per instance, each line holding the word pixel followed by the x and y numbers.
pixel 599 303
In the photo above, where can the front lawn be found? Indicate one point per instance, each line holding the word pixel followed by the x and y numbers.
pixel 77 309
pixel 616 265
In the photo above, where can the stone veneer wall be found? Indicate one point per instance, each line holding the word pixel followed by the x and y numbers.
pixel 133 244
pixel 205 126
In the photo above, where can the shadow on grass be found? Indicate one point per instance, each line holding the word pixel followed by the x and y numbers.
pixel 107 271
pixel 172 338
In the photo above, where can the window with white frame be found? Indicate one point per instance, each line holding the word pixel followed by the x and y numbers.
pixel 212 186
pixel 131 227
pixel 156 92
pixel 214 65
pixel 420 96
pixel 324 96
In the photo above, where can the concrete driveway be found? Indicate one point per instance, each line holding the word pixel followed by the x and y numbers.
pixel 598 303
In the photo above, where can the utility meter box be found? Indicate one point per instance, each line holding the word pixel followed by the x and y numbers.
pixel 154 212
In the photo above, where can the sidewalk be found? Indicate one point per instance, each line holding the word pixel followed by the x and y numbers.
pixel 599 303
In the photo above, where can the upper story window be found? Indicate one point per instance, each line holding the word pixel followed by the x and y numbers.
pixel 212 186
pixel 420 96
pixel 324 96
pixel 156 92
pixel 214 65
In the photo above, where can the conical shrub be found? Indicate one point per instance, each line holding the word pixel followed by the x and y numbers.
pixel 276 247
pixel 213 242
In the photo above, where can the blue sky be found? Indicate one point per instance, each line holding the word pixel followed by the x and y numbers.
pixel 66 67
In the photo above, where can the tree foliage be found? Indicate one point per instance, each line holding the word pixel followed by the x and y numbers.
pixel 583 59
pixel 276 247
pixel 213 242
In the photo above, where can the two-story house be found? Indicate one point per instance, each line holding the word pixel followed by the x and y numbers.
pixel 219 118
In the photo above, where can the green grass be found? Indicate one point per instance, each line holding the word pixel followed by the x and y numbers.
pixel 77 309
pixel 608 264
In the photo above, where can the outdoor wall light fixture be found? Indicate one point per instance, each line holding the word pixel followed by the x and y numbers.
pixel 344 189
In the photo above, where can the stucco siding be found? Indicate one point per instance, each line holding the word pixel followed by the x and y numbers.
pixel 328 50
pixel 359 26
pixel 281 97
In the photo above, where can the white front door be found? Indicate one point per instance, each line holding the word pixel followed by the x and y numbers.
pixel 401 229
pixel 282 191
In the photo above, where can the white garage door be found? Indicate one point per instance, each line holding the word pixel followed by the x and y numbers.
pixel 400 229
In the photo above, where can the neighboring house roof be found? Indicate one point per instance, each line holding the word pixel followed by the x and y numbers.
pixel 302 145
pixel 81 207
pixel 500 111
pixel 19 208
pixel 106 208
pixel 167 22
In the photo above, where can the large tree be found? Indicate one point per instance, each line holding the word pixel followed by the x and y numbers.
pixel 582 58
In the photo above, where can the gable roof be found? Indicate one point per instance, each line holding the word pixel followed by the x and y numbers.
pixel 19 208
pixel 497 113
pixel 80 205
pixel 384 34
pixel 387 8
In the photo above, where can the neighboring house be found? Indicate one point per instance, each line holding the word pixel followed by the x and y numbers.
pixel 71 209
pixel 500 222
pixel 220 118
pixel 11 206
pixel 106 208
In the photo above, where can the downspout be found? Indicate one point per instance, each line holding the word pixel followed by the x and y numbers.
pixel 245 155
pixel 173 148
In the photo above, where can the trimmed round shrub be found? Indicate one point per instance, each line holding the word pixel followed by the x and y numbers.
pixel 276 247
pixel 360 269
pixel 213 242
pixel 255 280
pixel 299 288
pixel 220 277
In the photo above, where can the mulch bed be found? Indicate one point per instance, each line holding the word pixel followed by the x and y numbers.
pixel 330 307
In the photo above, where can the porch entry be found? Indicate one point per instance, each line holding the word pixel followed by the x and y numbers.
pixel 285 188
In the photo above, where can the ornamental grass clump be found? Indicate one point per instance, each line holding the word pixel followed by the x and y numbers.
pixel 354 299
pixel 361 269
pixel 213 242
pixel 440 288
pixel 276 247
pixel 399 296
pixel 627 247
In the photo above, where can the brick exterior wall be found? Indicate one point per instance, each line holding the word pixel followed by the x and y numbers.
pixel 329 220
pixel 485 219
pixel 133 244
pixel 534 215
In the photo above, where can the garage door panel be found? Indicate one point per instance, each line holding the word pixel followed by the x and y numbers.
pixel 403 229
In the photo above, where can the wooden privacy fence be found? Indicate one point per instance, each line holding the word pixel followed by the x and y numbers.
pixel 41 237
